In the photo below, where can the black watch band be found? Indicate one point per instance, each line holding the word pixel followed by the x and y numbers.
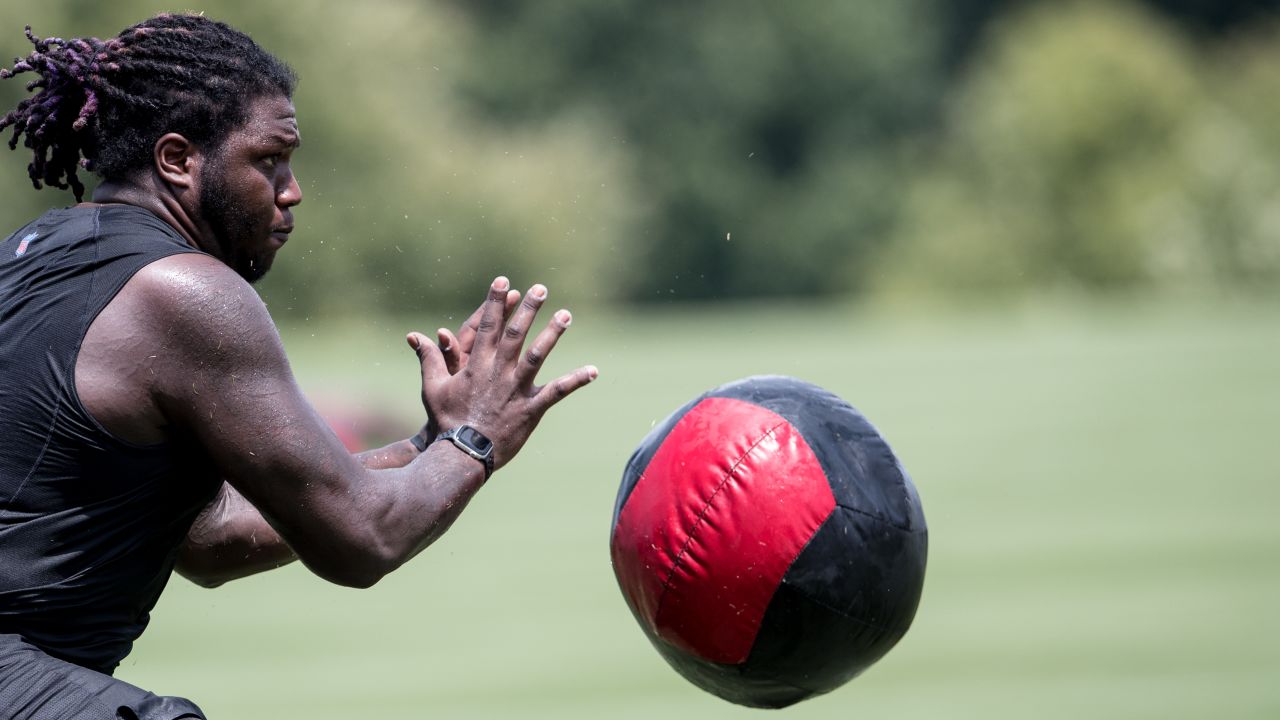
pixel 472 442
pixel 418 442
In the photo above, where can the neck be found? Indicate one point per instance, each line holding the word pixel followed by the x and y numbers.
pixel 162 202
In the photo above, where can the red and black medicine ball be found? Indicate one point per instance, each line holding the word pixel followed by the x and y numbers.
pixel 769 542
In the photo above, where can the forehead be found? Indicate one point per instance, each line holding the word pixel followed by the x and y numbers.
pixel 272 118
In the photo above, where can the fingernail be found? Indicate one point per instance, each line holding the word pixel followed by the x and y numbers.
pixel 501 283
pixel 593 372
pixel 413 341
pixel 538 291
pixel 564 317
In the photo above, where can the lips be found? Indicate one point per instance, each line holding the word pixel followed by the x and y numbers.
pixel 281 234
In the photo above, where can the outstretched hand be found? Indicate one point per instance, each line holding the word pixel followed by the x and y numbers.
pixel 488 382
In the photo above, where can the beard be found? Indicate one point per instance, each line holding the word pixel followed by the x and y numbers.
pixel 235 230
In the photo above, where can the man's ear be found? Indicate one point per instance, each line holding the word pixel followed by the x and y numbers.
pixel 176 159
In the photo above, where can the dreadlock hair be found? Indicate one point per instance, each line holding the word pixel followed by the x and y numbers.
pixel 102 104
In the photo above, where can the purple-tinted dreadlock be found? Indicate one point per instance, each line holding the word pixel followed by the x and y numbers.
pixel 102 104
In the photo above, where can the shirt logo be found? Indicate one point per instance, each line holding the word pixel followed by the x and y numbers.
pixel 22 246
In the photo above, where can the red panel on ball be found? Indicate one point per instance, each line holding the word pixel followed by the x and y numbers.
pixel 726 504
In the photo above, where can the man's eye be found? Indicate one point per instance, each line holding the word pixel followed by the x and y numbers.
pixel 271 160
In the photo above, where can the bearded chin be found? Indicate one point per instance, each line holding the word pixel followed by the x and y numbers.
pixel 251 269
pixel 233 229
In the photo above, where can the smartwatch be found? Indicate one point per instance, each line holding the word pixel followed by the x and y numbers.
pixel 472 442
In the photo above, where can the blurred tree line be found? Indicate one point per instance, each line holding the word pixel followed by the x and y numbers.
pixel 624 151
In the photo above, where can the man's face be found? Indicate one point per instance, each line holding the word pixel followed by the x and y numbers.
pixel 247 189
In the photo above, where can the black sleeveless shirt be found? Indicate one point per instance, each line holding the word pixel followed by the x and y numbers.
pixel 89 524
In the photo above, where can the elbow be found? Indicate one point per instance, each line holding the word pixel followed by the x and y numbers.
pixel 198 564
pixel 360 565
pixel 200 576
pixel 208 583
pixel 359 578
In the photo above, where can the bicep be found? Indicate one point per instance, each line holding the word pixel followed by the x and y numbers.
pixel 224 381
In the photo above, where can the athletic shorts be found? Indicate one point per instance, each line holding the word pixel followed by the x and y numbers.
pixel 35 686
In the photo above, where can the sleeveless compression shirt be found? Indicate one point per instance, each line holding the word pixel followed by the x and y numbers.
pixel 89 524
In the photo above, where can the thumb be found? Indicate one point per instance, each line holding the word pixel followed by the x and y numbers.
pixel 433 362
pixel 416 340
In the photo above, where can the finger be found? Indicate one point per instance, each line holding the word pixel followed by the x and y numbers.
pixel 467 331
pixel 563 386
pixel 542 346
pixel 521 320
pixel 451 349
pixel 491 315
pixel 513 299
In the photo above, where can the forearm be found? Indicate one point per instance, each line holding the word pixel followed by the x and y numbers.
pixel 230 540
pixel 397 454
pixel 373 526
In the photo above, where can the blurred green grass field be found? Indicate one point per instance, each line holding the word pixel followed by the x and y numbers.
pixel 1099 480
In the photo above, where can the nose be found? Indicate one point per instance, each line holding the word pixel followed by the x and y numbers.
pixel 290 192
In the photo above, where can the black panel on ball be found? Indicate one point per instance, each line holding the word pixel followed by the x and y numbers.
pixel 735 683
pixel 847 599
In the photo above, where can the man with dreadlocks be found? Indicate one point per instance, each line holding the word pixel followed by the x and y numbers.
pixel 151 418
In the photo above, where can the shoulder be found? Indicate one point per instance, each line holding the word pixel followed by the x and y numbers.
pixel 198 308
pixel 163 348
pixel 193 286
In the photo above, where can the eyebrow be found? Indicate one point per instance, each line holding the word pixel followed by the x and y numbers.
pixel 290 140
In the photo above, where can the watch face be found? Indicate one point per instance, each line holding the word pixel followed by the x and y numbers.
pixel 472 437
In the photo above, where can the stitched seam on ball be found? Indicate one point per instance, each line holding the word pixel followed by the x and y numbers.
pixel 845 614
pixel 697 524
pixel 878 518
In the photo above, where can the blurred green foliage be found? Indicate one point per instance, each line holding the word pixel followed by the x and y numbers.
pixel 767 137
pixel 1094 146
pixel 626 151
